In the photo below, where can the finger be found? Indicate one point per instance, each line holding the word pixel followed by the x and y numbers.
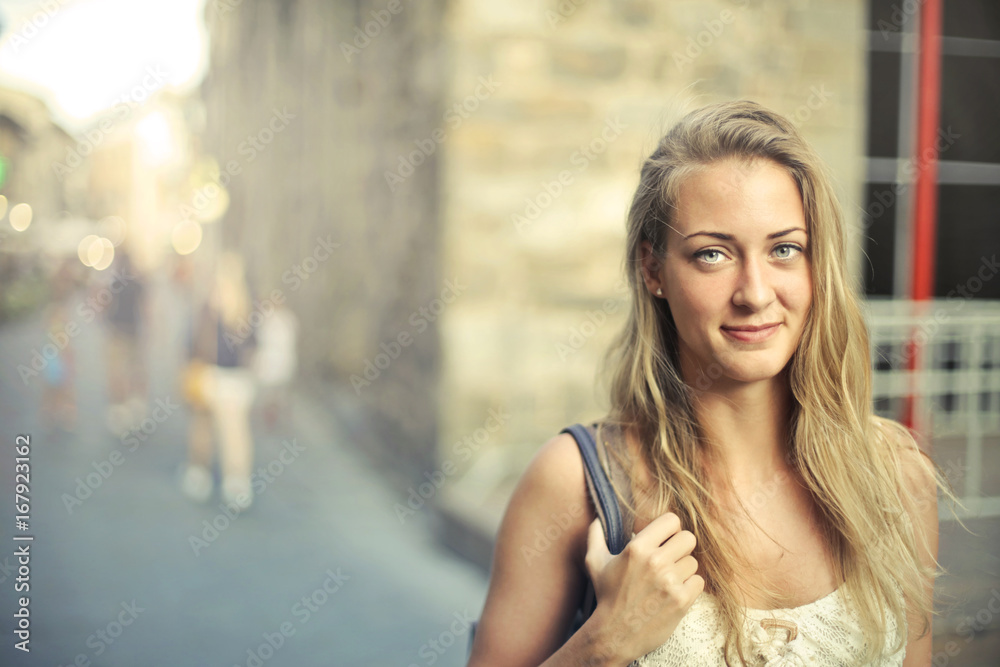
pixel 694 586
pixel 597 543
pixel 598 554
pixel 679 545
pixel 659 530
pixel 687 567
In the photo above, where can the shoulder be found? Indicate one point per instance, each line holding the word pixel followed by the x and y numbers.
pixel 557 462
pixel 549 514
pixel 554 483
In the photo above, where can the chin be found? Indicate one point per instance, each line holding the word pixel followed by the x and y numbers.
pixel 757 372
pixel 758 376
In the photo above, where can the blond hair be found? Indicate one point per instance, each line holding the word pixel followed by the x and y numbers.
pixel 849 458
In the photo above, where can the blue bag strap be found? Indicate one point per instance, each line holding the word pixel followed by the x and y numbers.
pixel 604 495
pixel 607 511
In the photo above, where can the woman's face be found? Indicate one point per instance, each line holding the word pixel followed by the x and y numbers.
pixel 736 260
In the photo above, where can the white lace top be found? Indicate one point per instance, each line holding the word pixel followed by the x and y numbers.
pixel 819 634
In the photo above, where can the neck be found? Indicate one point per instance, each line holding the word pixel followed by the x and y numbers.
pixel 748 426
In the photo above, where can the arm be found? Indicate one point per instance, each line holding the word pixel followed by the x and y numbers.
pixel 921 488
pixel 549 542
pixel 537 582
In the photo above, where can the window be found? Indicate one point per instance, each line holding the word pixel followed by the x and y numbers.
pixel 968 215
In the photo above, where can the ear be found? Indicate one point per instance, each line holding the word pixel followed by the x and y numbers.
pixel 651 267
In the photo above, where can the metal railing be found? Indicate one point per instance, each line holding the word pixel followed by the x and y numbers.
pixel 955 388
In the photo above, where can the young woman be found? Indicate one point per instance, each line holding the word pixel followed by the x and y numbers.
pixel 775 520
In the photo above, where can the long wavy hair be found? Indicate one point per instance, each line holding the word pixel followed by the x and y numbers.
pixel 849 458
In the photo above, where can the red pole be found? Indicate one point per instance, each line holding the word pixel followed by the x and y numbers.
pixel 925 209
pixel 928 119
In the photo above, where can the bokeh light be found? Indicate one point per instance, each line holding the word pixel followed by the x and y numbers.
pixel 186 237
pixel 156 139
pixel 104 251
pixel 20 217
pixel 83 250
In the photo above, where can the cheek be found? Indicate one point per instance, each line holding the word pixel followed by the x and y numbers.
pixel 685 302
pixel 804 294
pixel 796 293
pixel 696 298
pixel 807 286
pixel 696 306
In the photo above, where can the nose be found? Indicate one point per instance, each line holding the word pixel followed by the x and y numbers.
pixel 754 290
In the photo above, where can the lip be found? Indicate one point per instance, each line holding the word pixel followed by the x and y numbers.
pixel 752 334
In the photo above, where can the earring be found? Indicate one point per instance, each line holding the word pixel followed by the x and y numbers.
pixel 659 292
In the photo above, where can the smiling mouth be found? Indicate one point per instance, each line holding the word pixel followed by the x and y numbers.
pixel 752 328
pixel 751 334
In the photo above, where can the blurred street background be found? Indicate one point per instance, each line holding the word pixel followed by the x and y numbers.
pixel 204 588
pixel 291 291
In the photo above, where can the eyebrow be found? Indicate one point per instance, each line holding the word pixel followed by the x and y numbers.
pixel 730 237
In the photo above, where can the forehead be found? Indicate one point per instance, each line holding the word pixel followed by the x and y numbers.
pixel 742 199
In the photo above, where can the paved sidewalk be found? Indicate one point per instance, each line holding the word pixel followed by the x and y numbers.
pixel 318 572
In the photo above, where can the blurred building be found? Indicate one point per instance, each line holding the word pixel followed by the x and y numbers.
pixel 36 196
pixel 303 133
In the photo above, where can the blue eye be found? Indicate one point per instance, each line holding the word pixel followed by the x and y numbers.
pixel 703 254
pixel 791 247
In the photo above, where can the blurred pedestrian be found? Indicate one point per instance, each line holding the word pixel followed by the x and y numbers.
pixel 126 366
pixel 219 386
pixel 58 403
pixel 275 363
pixel 59 374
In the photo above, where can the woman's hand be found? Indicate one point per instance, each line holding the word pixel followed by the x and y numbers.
pixel 645 591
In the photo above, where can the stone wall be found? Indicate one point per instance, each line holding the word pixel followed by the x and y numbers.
pixel 313 102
